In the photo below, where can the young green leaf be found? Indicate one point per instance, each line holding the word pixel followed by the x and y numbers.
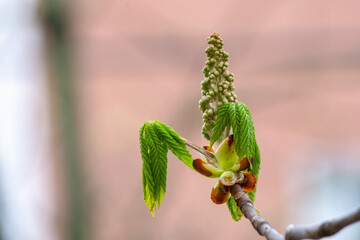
pixel 222 121
pixel 256 163
pixel 174 142
pixel 255 170
pixel 252 194
pixel 156 151
pixel 147 179
pixel 234 210
pixel 243 130
pixel 155 140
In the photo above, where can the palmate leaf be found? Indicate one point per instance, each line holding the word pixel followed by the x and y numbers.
pixel 222 121
pixel 153 153
pixel 148 181
pixel 174 142
pixel 155 140
pixel 243 130
pixel 238 115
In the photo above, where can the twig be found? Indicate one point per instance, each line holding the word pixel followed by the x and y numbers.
pixel 313 231
pixel 249 211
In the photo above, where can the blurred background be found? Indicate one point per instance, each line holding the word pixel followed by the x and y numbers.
pixel 79 78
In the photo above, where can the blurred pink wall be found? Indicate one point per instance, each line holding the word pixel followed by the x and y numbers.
pixel 296 66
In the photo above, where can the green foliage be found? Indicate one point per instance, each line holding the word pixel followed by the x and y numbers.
pixel 174 142
pixel 238 115
pixel 153 153
pixel 255 168
pixel 234 210
pixel 223 119
pixel 155 140
pixel 243 130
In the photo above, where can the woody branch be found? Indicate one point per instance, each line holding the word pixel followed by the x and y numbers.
pixel 313 231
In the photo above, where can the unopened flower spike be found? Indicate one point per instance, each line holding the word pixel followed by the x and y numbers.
pixel 217 86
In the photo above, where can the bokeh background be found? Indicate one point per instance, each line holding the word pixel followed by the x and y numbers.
pixel 79 78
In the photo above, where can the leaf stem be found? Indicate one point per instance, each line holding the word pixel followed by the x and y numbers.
pixel 210 157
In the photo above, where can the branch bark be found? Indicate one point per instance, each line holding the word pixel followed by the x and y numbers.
pixel 249 211
pixel 323 229
pixel 313 231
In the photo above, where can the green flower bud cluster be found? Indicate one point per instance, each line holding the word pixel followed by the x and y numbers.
pixel 217 87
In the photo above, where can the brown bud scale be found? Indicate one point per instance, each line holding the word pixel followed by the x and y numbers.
pixel 244 164
pixel 198 165
pixel 220 194
pixel 207 148
pixel 249 183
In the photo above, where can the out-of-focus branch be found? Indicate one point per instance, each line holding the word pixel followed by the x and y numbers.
pixel 323 229
pixel 313 231
pixel 54 16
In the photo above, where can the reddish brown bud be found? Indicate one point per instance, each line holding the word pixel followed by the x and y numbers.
pixel 220 193
pixel 244 164
pixel 207 148
pixel 199 166
pixel 249 182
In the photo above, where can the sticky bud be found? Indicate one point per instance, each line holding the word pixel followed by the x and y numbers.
pixel 249 182
pixel 225 154
pixel 220 193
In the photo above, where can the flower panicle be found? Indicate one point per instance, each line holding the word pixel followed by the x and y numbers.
pixel 217 86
